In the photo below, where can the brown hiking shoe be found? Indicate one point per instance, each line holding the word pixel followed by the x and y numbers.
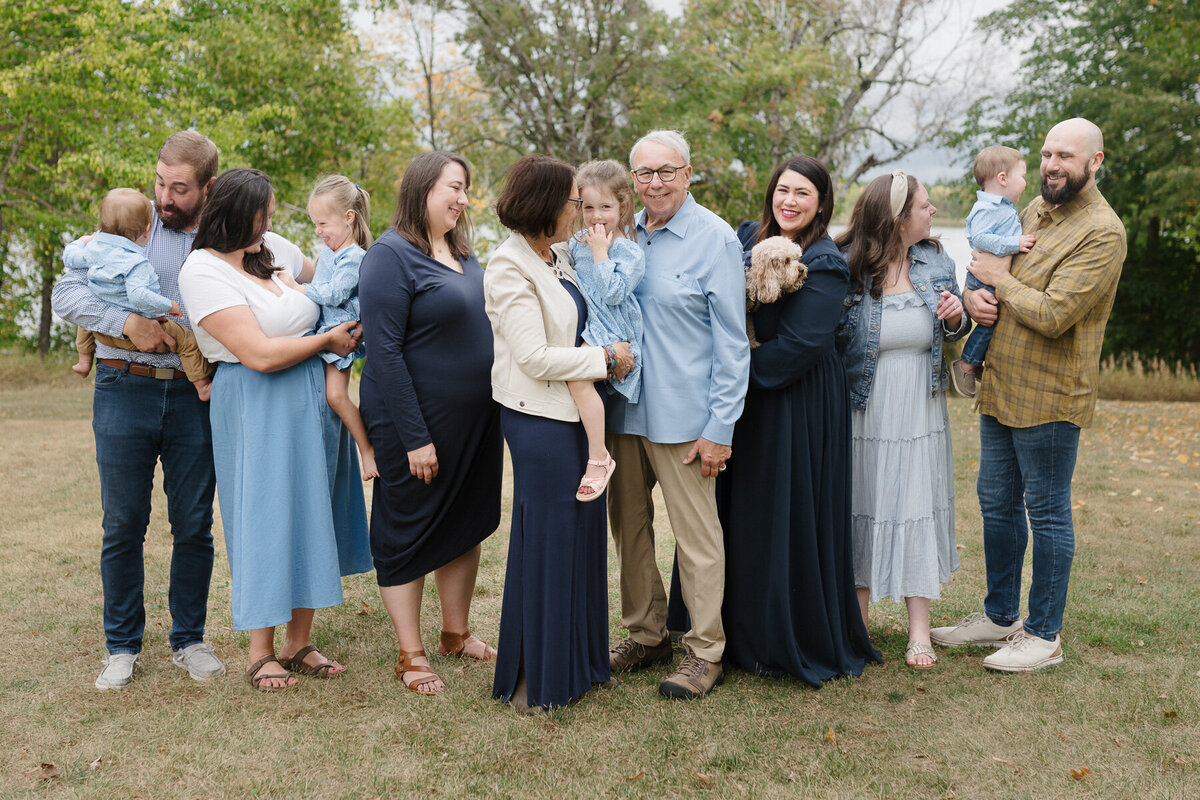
pixel 692 679
pixel 630 655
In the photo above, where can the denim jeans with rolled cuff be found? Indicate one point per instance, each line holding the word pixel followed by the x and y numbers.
pixel 1026 472
pixel 138 420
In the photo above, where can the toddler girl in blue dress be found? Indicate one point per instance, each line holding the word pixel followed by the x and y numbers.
pixel 608 267
pixel 340 211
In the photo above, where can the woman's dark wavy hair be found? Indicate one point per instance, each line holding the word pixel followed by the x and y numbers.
pixel 872 240
pixel 235 216
pixel 411 219
pixel 815 171
pixel 536 190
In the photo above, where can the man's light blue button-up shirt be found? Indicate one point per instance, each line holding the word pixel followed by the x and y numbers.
pixel 695 355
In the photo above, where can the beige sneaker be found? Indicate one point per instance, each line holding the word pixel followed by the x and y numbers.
pixel 692 679
pixel 630 655
pixel 1025 653
pixel 975 629
pixel 964 382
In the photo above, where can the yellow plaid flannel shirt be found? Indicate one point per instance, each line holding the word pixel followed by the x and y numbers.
pixel 1043 363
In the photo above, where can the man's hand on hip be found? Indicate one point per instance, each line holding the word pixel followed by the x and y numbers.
pixel 712 456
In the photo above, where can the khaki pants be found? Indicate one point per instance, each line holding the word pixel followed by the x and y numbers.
pixel 692 508
pixel 193 363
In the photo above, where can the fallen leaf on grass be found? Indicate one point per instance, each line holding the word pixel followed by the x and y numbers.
pixel 1160 508
pixel 49 772
pixel 830 736
pixel 1142 581
pixel 1081 773
pixel 1170 714
pixel 366 610
pixel 635 777
pixel 1000 760
pixel 704 779
pixel 96 764
pixel 1178 759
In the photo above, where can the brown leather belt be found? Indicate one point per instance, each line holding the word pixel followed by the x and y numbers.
pixel 144 370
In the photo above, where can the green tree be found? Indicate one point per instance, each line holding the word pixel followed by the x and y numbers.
pixel 77 100
pixel 1129 66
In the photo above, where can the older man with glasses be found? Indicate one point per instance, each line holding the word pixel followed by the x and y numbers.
pixel 696 363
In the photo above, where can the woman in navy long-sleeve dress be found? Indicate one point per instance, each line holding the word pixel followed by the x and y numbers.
pixel 427 404
pixel 784 502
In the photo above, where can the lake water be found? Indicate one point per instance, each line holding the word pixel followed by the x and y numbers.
pixel 954 241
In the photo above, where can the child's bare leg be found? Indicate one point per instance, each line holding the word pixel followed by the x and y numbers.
pixel 84 365
pixel 967 366
pixel 337 393
pixel 591 414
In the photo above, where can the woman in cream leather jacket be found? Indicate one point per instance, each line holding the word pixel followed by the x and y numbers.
pixel 554 619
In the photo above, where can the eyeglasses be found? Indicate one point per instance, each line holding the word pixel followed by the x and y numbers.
pixel 578 201
pixel 665 174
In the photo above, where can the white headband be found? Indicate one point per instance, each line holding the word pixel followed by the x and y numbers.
pixel 899 191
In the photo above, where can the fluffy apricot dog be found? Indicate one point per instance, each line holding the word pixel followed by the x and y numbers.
pixel 775 270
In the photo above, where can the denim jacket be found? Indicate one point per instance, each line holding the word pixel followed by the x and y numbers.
pixel 857 338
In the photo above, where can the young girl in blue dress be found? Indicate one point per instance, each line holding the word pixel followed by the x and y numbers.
pixel 340 210
pixel 609 266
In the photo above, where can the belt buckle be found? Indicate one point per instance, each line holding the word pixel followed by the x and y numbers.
pixel 163 373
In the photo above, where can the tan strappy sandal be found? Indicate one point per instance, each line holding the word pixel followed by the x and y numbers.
pixel 455 644
pixel 404 666
pixel 255 680
pixel 325 670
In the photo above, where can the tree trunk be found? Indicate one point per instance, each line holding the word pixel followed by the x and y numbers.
pixel 49 274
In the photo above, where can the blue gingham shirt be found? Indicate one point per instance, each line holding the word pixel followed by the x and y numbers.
pixel 75 302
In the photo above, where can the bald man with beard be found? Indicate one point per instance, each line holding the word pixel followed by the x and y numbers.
pixel 1038 389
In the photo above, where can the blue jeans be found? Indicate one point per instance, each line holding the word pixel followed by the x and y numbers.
pixel 975 349
pixel 1027 470
pixel 136 421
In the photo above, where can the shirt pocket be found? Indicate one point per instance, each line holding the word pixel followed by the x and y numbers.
pixel 676 292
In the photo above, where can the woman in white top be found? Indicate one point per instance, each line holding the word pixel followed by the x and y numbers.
pixel 287 475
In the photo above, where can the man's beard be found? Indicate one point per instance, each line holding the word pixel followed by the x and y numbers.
pixel 178 220
pixel 1071 187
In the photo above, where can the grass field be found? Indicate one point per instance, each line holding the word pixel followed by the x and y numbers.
pixel 1120 718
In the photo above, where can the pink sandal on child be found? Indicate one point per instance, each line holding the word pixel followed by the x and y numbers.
pixel 597 485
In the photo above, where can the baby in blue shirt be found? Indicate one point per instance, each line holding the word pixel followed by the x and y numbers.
pixel 993 226
pixel 119 274
pixel 608 266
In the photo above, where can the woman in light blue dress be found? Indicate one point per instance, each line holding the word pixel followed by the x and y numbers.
pixel 290 495
pixel 904 302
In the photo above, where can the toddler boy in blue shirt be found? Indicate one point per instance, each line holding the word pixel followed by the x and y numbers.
pixel 993 226
pixel 119 274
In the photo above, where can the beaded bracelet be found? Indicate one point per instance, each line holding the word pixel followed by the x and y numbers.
pixel 610 353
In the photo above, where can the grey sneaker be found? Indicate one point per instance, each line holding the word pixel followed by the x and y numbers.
pixel 1025 653
pixel 630 655
pixel 964 382
pixel 117 672
pixel 692 679
pixel 977 629
pixel 199 660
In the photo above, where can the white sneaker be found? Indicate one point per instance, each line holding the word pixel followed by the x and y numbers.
pixel 976 629
pixel 200 661
pixel 1025 653
pixel 117 672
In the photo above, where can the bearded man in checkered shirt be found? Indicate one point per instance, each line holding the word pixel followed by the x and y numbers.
pixel 1038 389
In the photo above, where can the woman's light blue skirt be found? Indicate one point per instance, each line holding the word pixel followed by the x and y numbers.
pixel 289 490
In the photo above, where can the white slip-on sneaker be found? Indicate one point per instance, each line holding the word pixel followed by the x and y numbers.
pixel 117 672
pixel 199 660
pixel 974 629
pixel 1025 653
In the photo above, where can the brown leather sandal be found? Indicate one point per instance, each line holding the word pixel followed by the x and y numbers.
pixel 455 644
pixel 296 664
pixel 404 666
pixel 254 679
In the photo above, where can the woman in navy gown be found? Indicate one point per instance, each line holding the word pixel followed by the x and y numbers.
pixel 554 620
pixel 426 401
pixel 784 502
